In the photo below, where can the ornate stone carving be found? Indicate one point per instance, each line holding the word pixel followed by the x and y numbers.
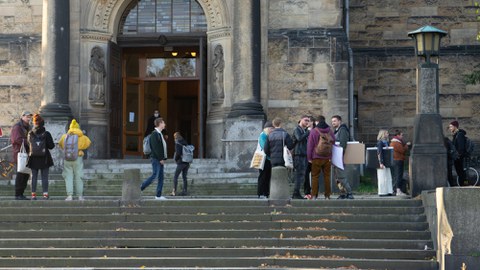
pixel 218 67
pixel 103 12
pixel 97 77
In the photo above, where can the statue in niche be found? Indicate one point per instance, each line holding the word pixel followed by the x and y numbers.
pixel 218 67
pixel 97 77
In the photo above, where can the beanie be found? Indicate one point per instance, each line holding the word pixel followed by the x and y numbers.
pixel 37 120
pixel 268 124
pixel 74 124
pixel 454 123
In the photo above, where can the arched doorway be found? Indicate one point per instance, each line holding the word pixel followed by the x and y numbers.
pixel 161 55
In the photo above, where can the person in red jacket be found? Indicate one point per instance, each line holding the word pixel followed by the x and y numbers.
pixel 400 148
pixel 18 136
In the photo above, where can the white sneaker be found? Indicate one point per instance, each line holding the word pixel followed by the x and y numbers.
pixel 400 193
pixel 81 198
pixel 69 198
pixel 160 198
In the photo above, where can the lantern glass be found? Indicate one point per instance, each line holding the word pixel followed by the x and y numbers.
pixel 428 42
pixel 436 43
pixel 420 46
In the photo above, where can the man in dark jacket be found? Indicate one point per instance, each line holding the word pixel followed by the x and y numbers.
pixel 459 142
pixel 18 136
pixel 275 142
pixel 300 136
pixel 157 157
pixel 342 135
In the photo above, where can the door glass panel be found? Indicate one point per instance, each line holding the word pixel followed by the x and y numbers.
pixel 131 65
pixel 171 67
pixel 132 108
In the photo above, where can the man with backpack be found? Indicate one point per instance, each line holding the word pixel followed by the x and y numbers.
pixel 300 136
pixel 460 143
pixel 158 156
pixel 74 142
pixel 342 135
pixel 319 153
pixel 18 137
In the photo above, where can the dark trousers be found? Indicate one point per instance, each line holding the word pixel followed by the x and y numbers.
pixel 21 183
pixel 263 187
pixel 460 169
pixel 307 187
pixel 44 174
pixel 398 181
pixel 300 165
pixel 182 167
pixel 451 180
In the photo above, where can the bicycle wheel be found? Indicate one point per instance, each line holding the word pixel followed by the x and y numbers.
pixel 471 177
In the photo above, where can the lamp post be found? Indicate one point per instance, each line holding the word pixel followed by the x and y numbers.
pixel 428 159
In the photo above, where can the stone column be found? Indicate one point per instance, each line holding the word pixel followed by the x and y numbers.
pixel 428 159
pixel 245 119
pixel 55 107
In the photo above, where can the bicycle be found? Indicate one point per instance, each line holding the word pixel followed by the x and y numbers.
pixel 471 175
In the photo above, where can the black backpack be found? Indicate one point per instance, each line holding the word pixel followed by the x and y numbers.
pixel 37 144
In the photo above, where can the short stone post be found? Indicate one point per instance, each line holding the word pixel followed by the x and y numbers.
pixel 131 193
pixel 279 190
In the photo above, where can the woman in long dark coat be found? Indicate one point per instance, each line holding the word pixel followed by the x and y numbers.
pixel 40 163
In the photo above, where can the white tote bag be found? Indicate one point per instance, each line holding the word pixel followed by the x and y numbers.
pixel 258 159
pixel 287 156
pixel 22 159
pixel 384 177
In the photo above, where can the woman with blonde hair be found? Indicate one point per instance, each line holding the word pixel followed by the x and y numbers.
pixel 384 175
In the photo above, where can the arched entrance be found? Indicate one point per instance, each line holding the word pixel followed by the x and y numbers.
pixel 162 55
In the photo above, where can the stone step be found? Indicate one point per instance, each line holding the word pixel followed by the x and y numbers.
pixel 220 262
pixel 215 252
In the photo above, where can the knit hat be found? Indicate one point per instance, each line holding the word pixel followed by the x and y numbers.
pixel 454 123
pixel 37 120
pixel 74 124
pixel 268 124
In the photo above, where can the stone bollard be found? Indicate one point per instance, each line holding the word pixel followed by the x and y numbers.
pixel 279 189
pixel 131 186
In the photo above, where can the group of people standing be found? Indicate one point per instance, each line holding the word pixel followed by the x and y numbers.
pixel 31 138
pixel 308 162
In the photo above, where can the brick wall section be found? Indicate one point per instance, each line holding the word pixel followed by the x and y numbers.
pixel 385 66
pixel 20 59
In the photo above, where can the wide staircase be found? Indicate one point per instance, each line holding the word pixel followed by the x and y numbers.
pixel 209 233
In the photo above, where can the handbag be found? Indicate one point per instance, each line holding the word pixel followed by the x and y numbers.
pixel 287 156
pixel 258 159
pixel 22 159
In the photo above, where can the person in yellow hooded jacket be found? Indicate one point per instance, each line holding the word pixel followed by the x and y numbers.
pixel 73 169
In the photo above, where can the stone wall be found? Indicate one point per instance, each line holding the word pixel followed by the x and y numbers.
pixel 306 59
pixel 385 66
pixel 20 59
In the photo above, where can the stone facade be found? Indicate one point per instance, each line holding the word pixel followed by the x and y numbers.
pixel 305 62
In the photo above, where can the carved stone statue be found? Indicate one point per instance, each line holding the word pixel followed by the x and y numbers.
pixel 97 77
pixel 218 67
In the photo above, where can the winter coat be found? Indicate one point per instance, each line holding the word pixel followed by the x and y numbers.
pixel 459 141
pixel 399 148
pixel 158 146
pixel 300 138
pixel 314 138
pixel 342 135
pixel 46 161
pixel 83 141
pixel 177 156
pixel 380 154
pixel 17 136
pixel 274 146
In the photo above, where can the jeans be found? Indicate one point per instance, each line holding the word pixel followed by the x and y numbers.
pixel 460 169
pixel 21 181
pixel 263 186
pixel 72 173
pixel 342 182
pixel 44 174
pixel 306 185
pixel 182 167
pixel 398 181
pixel 300 165
pixel 157 172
